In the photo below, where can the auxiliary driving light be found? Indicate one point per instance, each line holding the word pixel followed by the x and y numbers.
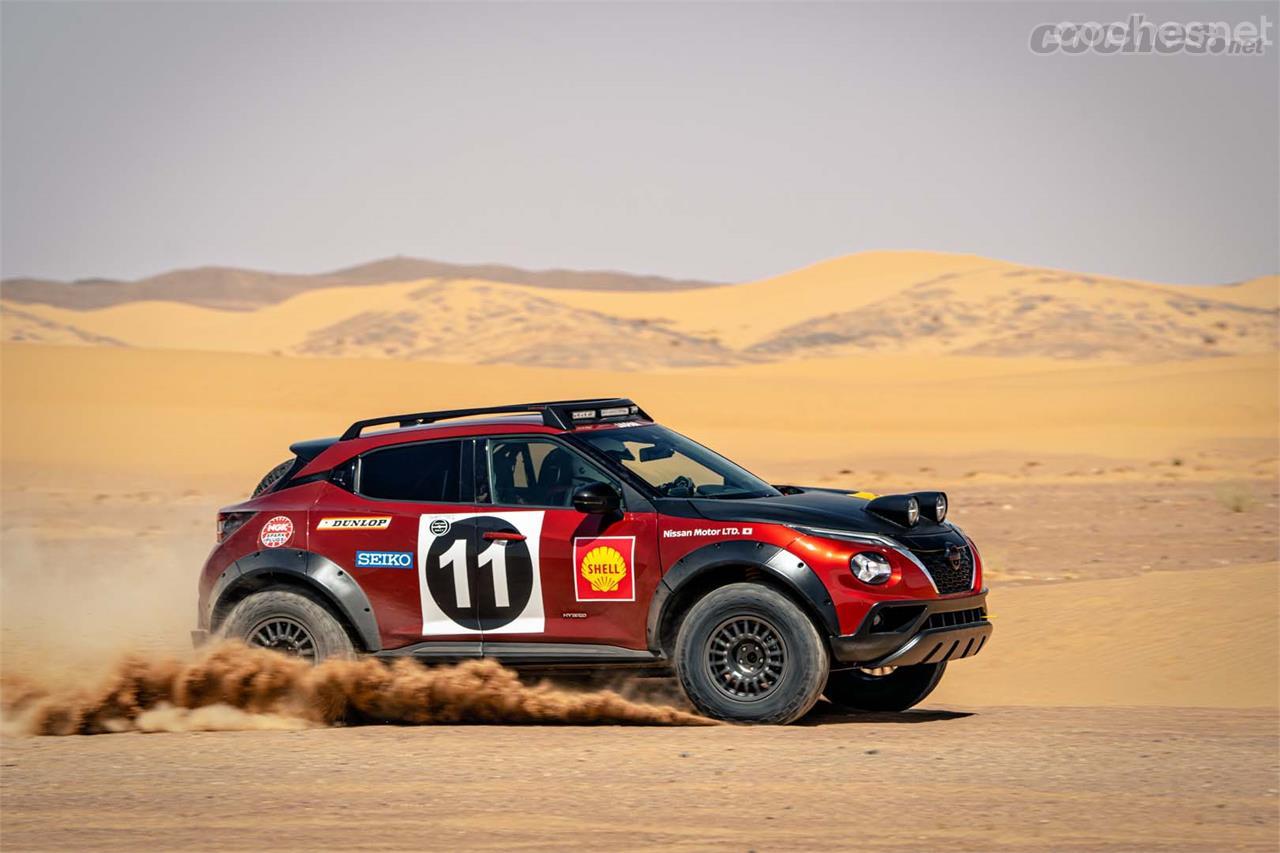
pixel 870 567
pixel 933 505
pixel 902 510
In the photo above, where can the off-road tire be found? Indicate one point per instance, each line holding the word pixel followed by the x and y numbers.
pixel 901 689
pixel 272 477
pixel 253 617
pixel 699 647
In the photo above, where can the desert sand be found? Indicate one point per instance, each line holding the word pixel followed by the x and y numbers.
pixel 876 302
pixel 1006 779
pixel 1118 472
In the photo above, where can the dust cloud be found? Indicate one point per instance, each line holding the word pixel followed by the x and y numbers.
pixel 232 686
pixel 94 620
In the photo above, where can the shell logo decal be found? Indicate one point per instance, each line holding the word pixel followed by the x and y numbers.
pixel 605 568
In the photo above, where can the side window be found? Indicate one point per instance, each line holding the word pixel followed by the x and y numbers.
pixel 537 472
pixel 413 472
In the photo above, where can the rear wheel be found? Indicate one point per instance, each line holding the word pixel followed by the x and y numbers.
pixel 747 653
pixel 886 689
pixel 289 622
pixel 272 477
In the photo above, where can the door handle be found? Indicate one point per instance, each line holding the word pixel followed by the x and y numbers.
pixel 503 536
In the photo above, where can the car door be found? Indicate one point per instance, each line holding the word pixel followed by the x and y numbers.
pixel 594 575
pixel 402 531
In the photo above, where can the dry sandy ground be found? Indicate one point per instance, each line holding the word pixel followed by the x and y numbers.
pixel 1128 699
pixel 77 415
pixel 1167 643
pixel 983 779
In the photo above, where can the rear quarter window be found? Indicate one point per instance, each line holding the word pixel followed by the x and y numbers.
pixel 429 472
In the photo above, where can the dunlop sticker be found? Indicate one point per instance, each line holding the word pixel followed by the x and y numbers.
pixel 365 522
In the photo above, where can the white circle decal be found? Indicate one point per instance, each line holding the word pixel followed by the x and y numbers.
pixel 276 532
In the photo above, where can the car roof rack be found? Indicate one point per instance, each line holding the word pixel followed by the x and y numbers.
pixel 560 414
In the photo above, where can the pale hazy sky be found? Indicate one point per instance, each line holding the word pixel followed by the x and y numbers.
pixel 704 140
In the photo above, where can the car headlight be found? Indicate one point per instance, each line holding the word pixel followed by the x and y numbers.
pixel 870 567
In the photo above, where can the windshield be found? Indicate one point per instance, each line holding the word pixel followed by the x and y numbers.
pixel 674 465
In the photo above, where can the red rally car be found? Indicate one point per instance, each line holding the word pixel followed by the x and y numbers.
pixel 580 534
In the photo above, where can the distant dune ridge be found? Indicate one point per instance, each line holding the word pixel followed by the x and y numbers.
pixel 245 290
pixel 921 303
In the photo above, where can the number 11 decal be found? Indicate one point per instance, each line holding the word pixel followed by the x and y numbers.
pixel 470 584
pixel 496 555
pixel 456 556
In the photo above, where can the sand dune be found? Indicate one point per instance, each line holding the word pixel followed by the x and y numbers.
pixel 909 303
pixel 931 302
pixel 486 323
pixel 21 326
pixel 243 290
pixel 472 321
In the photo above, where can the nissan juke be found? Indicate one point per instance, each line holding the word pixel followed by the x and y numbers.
pixel 580 535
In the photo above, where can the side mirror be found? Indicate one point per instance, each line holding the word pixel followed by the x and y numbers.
pixel 597 499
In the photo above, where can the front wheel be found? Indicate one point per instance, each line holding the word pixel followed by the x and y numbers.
pixel 747 653
pixel 291 622
pixel 897 689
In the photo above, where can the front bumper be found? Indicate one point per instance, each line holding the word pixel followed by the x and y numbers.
pixel 902 633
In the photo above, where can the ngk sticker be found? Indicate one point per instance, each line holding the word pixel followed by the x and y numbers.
pixel 276 532
pixel 364 522
pixel 605 568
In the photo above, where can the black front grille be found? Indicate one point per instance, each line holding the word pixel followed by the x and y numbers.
pixel 952 618
pixel 946 577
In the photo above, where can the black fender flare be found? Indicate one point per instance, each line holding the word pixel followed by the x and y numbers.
pixel 779 563
pixel 315 572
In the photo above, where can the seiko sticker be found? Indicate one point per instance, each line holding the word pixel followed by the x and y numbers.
pixel 707 531
pixel 480 573
pixel 363 522
pixel 604 568
pixel 384 559
pixel 276 532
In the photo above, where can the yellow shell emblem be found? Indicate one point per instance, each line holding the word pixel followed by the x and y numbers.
pixel 604 568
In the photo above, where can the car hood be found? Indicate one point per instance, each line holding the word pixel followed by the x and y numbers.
pixel 827 508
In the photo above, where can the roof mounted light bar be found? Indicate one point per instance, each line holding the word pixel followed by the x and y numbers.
pixel 560 414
